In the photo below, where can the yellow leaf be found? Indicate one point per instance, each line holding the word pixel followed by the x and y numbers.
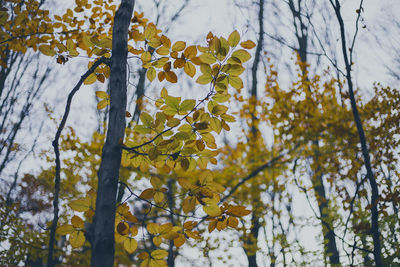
pixel 65 229
pixel 146 119
pixel 163 50
pixel 190 51
pixel 77 239
pixel 122 228
pixel 143 255
pixel 80 205
pixel 236 82
pixel 103 103
pixel 157 240
pixel 105 43
pixel 146 57
pixel 47 50
pixel 212 209
pixel 158 197
pixel 204 79
pixel 77 222
pixel 207 58
pixel 233 222
pixel 171 76
pixel 153 228
pixel 189 69
pixel 159 254
pixel 187 104
pixel 242 55
pixel 179 241
pixel 234 39
pixel 92 78
pixel 212 225
pixel 130 245
pixel 151 74
pixel 179 46
pixel 248 44
pixel 102 95
pixel 150 31
pixel 147 193
pixel 166 41
pixel 219 110
pixel 189 204
pixel 134 230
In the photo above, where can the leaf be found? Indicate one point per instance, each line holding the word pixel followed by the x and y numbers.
pixel 179 241
pixel 233 222
pixel 234 39
pixel 130 245
pixel 173 102
pixel 189 69
pixel 163 50
pixel 153 228
pixel 103 103
pixel 207 58
pixel 187 104
pixel 92 78
pixel 122 228
pixel 242 55
pixel 77 239
pixel 47 50
pixel 215 125
pixel 146 119
pixel 212 209
pixel 190 52
pixel 189 204
pixel 236 82
pixel 102 95
pixel 179 46
pixel 158 197
pixel 146 57
pixel 235 70
pixel 147 193
pixel 65 229
pixel 151 74
pixel 80 205
pixel 171 77
pixel 219 110
pixel 204 79
pixel 159 254
pixel 150 31
pixel 77 222
pixel 248 44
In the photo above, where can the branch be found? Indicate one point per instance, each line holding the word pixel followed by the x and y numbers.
pixel 58 162
pixel 155 205
pixel 257 171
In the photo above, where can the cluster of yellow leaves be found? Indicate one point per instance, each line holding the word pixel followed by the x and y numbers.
pixel 125 228
pixel 76 230
pixel 180 135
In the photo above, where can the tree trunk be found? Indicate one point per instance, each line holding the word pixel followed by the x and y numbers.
pixel 104 218
pixel 363 141
pixel 330 246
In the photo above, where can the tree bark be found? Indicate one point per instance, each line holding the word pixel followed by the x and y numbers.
pixel 104 218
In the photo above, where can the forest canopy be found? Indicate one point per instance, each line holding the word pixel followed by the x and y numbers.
pixel 137 133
